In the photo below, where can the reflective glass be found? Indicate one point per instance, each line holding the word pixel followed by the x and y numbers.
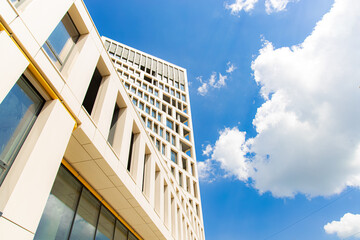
pixel 86 217
pixel 120 231
pixel 105 228
pixel 61 41
pixel 18 112
pixel 60 208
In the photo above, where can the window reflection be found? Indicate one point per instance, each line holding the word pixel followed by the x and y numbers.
pixel 61 41
pixel 18 112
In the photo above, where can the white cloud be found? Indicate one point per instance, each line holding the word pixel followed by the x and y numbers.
pixel 211 83
pixel 230 67
pixel 348 226
pixel 240 5
pixel 308 129
pixel 205 170
pixel 276 5
pixel 208 150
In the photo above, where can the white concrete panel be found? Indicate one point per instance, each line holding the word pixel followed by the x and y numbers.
pixel 24 36
pixel 38 10
pixel 9 230
pixel 49 70
pixel 10 58
pixel 82 68
pixel 6 11
pixel 39 159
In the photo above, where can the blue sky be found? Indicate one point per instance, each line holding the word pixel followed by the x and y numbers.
pixel 278 137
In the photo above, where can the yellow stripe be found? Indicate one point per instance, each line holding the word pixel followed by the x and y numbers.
pixel 102 200
pixel 38 75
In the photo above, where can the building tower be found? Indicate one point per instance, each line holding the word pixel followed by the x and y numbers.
pixel 159 90
pixel 87 152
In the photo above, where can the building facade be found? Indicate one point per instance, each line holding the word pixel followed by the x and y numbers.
pixel 96 138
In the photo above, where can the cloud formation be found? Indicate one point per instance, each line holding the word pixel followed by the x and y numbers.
pixel 240 5
pixel 248 5
pixel 216 80
pixel 308 131
pixel 348 226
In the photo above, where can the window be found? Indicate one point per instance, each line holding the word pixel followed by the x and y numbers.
pixel 134 101
pixel 167 136
pixel 153 114
pixel 183 98
pixel 150 89
pixel 176 84
pixel 166 89
pixel 72 212
pixel 127 86
pixel 178 95
pixel 139 93
pixel 163 149
pixel 157 104
pixel 133 90
pixel 146 97
pixel 159 117
pixel 169 124
pixel 18 112
pixel 156 92
pixel 173 156
pixel 182 87
pixel 160 85
pixel 152 101
pixel 114 120
pixel 173 140
pixel 141 105
pixel 92 91
pixel 147 110
pixel 61 41
pixel 172 92
pixel 149 124
pixel 157 144
pixel 161 132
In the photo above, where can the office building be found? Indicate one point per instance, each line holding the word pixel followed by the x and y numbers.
pixel 96 138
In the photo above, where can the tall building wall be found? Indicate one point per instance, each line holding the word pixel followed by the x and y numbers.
pixel 75 151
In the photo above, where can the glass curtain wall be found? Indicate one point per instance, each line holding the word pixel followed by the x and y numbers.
pixel 72 212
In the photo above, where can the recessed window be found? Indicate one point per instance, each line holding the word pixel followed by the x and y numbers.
pixel 173 156
pixel 18 112
pixel 152 101
pixel 169 124
pixel 161 132
pixel 147 110
pixel 61 41
pixel 141 105
pixel 159 117
pixel 182 87
pixel 92 91
pixel 153 114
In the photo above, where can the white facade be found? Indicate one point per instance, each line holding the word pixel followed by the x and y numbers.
pixel 104 145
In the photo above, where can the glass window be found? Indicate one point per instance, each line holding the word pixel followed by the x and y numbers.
pixel 156 92
pixel 172 92
pixel 147 110
pixel 160 86
pixel 86 217
pixel 182 87
pixel 127 86
pixel 173 156
pixel 106 225
pixel 157 104
pixel 167 136
pixel 163 149
pixel 172 140
pixel 133 89
pixel 166 89
pixel 120 231
pixel 177 94
pixel 141 105
pixel 134 102
pixel 60 208
pixel 150 89
pixel 139 93
pixel 169 124
pixel 146 97
pixel 18 112
pixel 159 117
pixel 149 124
pixel 183 98
pixel 152 101
pixel 153 114
pixel 161 132
pixel 61 41
pixel 92 91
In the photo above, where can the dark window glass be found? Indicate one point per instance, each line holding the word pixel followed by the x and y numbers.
pixel 105 229
pixel 113 124
pixel 86 217
pixel 18 112
pixel 60 208
pixel 92 91
pixel 121 231
pixel 61 41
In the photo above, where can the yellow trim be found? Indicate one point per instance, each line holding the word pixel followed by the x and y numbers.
pixel 38 75
pixel 102 200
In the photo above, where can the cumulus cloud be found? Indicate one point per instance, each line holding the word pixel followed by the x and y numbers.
pixel 240 5
pixel 348 226
pixel 308 131
pixel 276 5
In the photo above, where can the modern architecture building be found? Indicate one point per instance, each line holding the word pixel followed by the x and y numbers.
pixel 96 138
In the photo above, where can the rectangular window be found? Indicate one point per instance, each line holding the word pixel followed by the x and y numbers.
pixel 153 114
pixel 182 87
pixel 169 123
pixel 156 92
pixel 61 41
pixel 113 124
pixel 134 101
pixel 173 156
pixel 161 132
pixel 18 112
pixel 92 91
pixel 141 105
pixel 147 110
pixel 159 117
pixel 163 149
pixel 152 101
